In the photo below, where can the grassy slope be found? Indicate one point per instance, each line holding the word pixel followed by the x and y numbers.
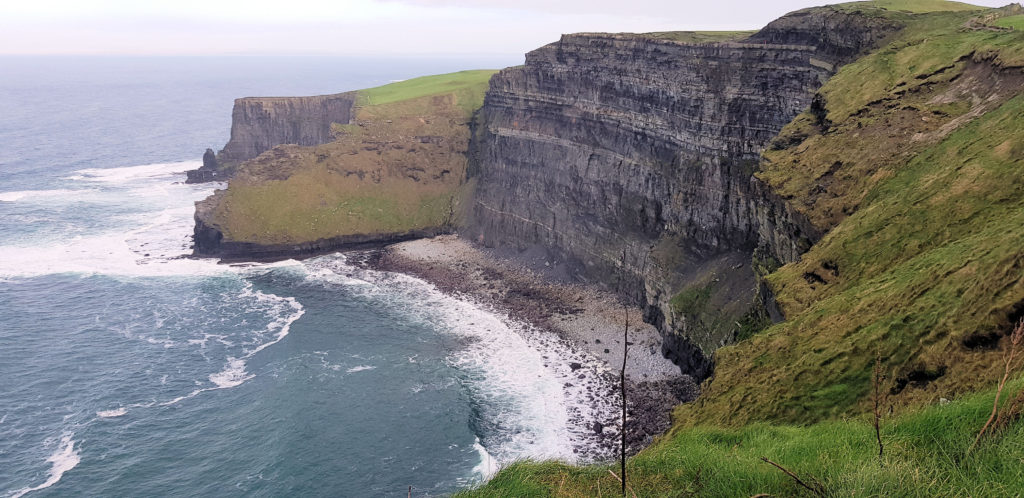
pixel 1015 22
pixel 926 252
pixel 926 248
pixel 924 456
pixel 377 177
pixel 918 6
pixel 469 86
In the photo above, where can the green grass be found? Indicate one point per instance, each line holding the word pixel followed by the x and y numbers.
pixel 1015 22
pixel 933 255
pixel 378 176
pixel 314 204
pixel 930 42
pixel 925 456
pixel 691 300
pixel 468 86
pixel 919 6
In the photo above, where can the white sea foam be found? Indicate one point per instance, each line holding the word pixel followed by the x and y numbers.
pixel 234 374
pixel 62 460
pixel 488 466
pixel 531 403
pixel 44 194
pixel 155 241
pixel 285 310
pixel 133 173
pixel 117 412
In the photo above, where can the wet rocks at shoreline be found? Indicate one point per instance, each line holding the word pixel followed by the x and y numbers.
pixel 583 318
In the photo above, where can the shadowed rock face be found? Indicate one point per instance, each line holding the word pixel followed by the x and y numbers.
pixel 604 148
pixel 260 123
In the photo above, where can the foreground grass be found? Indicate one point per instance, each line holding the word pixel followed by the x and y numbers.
pixel 924 456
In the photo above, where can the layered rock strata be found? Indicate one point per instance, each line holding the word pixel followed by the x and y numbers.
pixel 260 123
pixel 630 160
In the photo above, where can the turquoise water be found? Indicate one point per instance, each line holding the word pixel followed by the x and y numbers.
pixel 127 369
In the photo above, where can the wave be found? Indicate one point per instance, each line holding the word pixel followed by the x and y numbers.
pixel 528 400
pixel 63 459
pixel 117 412
pixel 102 254
pixel 133 173
pixel 285 310
pixel 233 375
pixel 488 466
pixel 155 240
pixel 36 194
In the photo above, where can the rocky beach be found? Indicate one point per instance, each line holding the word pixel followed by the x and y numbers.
pixel 584 318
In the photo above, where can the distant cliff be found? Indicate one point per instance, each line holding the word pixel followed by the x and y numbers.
pixel 346 171
pixel 612 146
pixel 260 123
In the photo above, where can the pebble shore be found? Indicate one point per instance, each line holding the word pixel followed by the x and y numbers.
pixel 586 319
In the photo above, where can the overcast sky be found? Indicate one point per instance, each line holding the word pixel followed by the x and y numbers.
pixel 353 27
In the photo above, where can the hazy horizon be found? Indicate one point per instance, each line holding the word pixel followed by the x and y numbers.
pixel 353 27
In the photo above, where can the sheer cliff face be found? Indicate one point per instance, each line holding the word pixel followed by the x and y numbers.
pixel 604 148
pixel 260 123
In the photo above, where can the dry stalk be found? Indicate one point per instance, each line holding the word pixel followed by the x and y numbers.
pixel 817 488
pixel 1008 367
pixel 620 480
pixel 878 401
pixel 1009 413
pixel 622 383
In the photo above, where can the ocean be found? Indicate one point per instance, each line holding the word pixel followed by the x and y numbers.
pixel 130 369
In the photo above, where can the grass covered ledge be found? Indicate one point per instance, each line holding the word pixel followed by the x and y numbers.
pixel 925 455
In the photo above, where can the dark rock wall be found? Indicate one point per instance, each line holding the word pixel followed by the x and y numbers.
pixel 607 147
pixel 260 123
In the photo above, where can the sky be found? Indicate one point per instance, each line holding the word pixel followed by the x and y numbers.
pixel 353 27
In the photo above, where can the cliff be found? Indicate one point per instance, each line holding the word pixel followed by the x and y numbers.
pixel 355 170
pixel 260 123
pixel 888 219
pixel 607 148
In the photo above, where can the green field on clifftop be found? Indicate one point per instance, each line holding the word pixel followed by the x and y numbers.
pixel 468 86
pixel 918 6
pixel 399 166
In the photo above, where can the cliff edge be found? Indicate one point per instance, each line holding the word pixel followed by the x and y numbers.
pixel 607 149
pixel 377 166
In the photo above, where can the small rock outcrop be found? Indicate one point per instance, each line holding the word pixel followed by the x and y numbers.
pixel 208 172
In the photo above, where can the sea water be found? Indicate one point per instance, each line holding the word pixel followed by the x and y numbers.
pixel 130 369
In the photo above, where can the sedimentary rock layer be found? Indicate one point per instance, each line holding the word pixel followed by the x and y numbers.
pixel 260 123
pixel 607 148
